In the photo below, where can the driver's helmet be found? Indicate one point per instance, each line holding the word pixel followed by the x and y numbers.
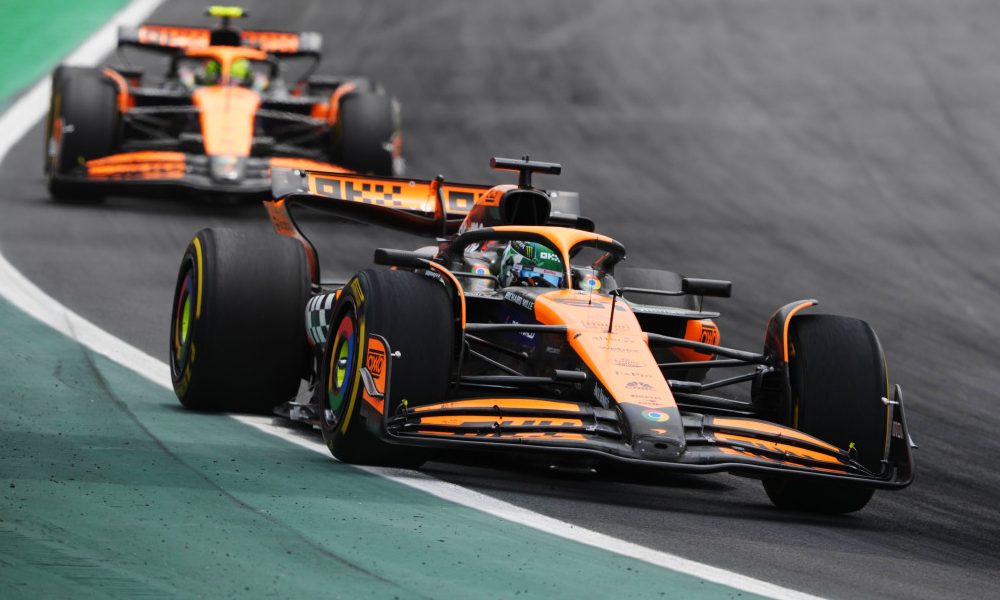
pixel 240 72
pixel 530 264
pixel 210 73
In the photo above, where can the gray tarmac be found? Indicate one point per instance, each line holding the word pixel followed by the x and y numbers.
pixel 842 150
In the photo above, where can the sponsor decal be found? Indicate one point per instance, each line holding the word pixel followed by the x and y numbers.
pixel 638 385
pixel 528 334
pixel 519 300
pixel 375 361
pixel 633 374
pixel 602 395
pixel 356 289
pixel 590 283
pixel 709 335
pixel 657 416
pixel 390 192
pixel 628 362
pixel 660 310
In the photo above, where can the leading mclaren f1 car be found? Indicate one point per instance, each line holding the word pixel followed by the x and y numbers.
pixel 218 121
pixel 521 331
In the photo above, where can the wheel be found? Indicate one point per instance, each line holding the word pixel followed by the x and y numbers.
pixel 237 335
pixel 49 145
pixel 413 314
pixel 84 123
pixel 366 135
pixel 838 379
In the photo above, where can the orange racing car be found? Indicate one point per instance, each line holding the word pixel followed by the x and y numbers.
pixel 521 331
pixel 218 121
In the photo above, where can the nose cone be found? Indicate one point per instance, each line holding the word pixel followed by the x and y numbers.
pixel 228 169
pixel 227 116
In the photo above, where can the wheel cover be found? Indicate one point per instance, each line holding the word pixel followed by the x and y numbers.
pixel 342 358
pixel 183 320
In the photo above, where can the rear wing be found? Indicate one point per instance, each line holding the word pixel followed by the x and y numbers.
pixel 171 38
pixel 410 204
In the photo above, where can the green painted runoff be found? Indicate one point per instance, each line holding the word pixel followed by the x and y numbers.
pixel 37 33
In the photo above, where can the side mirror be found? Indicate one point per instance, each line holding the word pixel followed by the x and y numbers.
pixel 400 258
pixel 707 287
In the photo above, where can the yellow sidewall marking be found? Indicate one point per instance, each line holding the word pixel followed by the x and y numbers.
pixel 197 251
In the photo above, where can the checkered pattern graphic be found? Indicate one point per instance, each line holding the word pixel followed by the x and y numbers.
pixel 318 315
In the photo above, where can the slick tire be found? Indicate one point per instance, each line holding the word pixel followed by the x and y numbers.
pixel 413 313
pixel 838 379
pixel 84 123
pixel 237 334
pixel 366 133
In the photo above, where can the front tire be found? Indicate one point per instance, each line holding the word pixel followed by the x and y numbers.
pixel 84 123
pixel 838 379
pixel 237 335
pixel 412 312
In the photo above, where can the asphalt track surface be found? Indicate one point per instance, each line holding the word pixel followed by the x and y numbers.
pixel 842 150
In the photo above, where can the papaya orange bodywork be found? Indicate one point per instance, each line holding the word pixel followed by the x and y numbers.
pixel 501 403
pixel 621 358
pixel 125 99
pixel 703 331
pixel 138 165
pixel 283 162
pixel 278 42
pixel 283 225
pixel 744 424
pixel 174 37
pixel 391 192
pixel 227 116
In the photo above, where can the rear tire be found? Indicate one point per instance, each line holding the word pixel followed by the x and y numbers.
pixel 84 123
pixel 245 348
pixel 366 134
pixel 838 380
pixel 413 313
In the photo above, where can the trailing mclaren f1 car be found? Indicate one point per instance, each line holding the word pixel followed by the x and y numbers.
pixel 218 121
pixel 522 332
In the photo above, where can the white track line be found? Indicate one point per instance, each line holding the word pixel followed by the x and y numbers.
pixel 24 294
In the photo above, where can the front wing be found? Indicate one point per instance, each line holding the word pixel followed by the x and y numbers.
pixel 148 171
pixel 712 443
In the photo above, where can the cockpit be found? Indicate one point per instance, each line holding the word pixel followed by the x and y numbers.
pixel 225 66
pixel 510 260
